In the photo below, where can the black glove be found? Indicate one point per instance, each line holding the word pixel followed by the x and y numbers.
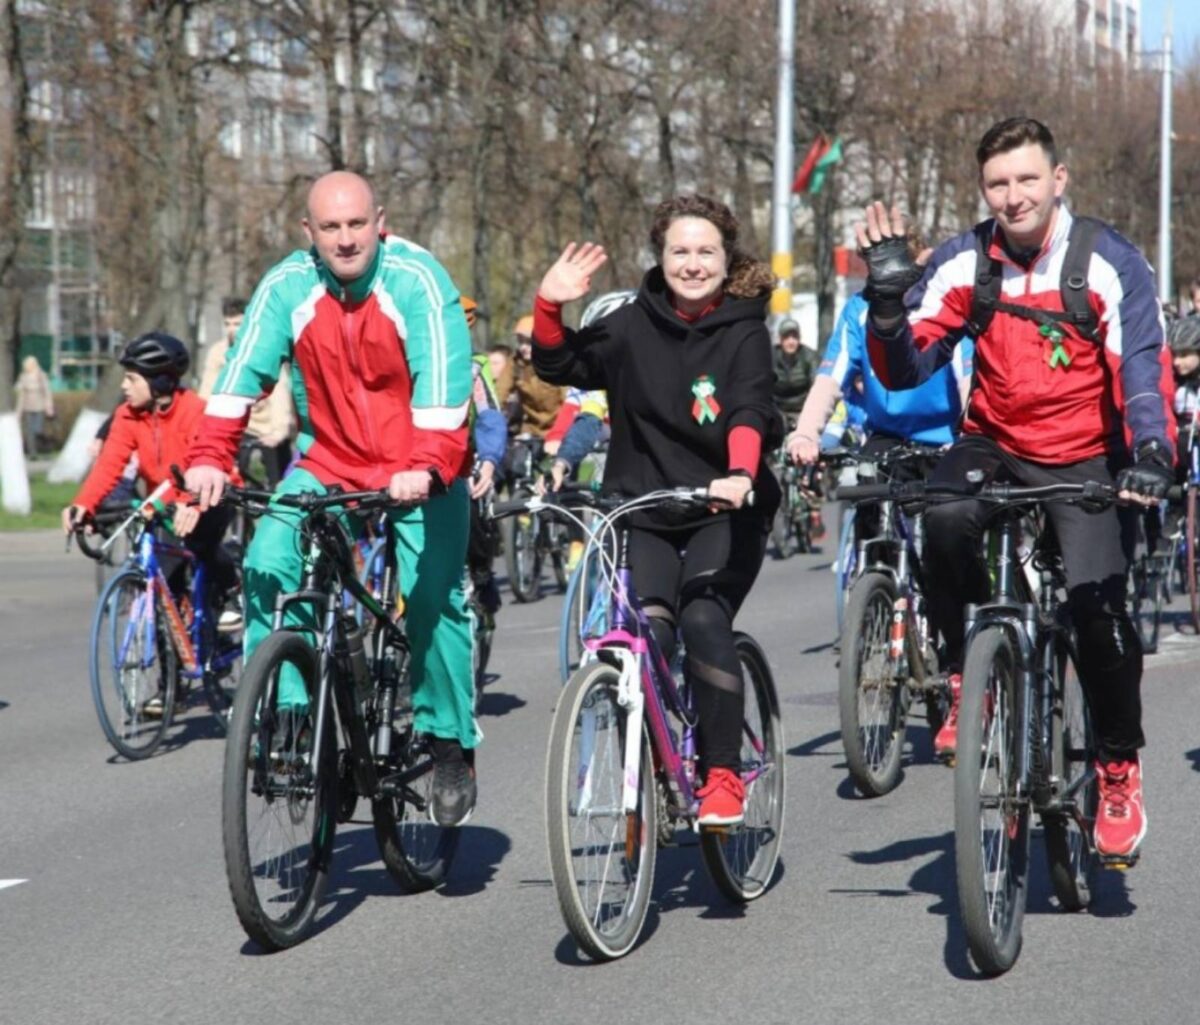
pixel 1151 474
pixel 891 271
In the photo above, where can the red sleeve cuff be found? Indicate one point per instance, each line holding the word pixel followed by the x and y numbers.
pixel 745 449
pixel 547 323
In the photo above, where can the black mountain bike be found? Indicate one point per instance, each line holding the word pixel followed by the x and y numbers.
pixel 291 777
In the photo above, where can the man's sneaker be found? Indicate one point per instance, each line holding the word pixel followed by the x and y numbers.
pixel 1121 817
pixel 231 620
pixel 454 788
pixel 152 708
pixel 946 742
pixel 722 798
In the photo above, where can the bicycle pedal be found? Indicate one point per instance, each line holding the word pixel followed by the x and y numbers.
pixel 1120 862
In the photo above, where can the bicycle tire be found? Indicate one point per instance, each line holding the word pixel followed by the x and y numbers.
pixel 742 861
pixel 781 532
pixel 559 545
pixel 127 688
pixel 991 830
pixel 1072 861
pixel 1193 585
pixel 872 704
pixel 844 567
pixel 277 889
pixel 608 926
pixel 415 850
pixel 523 556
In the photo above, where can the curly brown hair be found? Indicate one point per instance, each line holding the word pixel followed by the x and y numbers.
pixel 746 278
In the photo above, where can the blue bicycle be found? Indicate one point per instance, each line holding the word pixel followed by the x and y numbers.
pixel 149 643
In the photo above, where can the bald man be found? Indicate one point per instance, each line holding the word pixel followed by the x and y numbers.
pixel 381 376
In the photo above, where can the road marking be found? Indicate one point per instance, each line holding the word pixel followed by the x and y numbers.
pixel 6 883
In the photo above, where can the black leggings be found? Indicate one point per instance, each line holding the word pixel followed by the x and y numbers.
pixel 698 577
pixel 1095 546
pixel 206 543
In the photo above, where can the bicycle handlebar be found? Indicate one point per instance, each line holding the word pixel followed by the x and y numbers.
pixel 1000 494
pixel 582 495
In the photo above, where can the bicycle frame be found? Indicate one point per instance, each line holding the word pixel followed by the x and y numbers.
pixel 630 646
pixel 1037 628
pixel 328 575
pixel 189 643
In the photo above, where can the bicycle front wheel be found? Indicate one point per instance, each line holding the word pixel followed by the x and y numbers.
pixel 872 700
pixel 846 565
pixel 742 861
pixel 991 818
pixel 132 666
pixel 416 851
pixel 523 556
pixel 601 857
pixel 279 798
pixel 1072 759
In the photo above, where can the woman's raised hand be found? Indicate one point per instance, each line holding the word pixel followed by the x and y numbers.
pixel 571 276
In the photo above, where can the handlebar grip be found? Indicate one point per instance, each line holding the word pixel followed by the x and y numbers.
pixel 864 493
pixel 85 546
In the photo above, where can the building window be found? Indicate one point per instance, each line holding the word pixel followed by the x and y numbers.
pixel 263 117
pixel 264 43
pixel 299 134
pixel 230 135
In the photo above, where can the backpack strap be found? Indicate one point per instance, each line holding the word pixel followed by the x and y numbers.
pixel 989 276
pixel 1073 284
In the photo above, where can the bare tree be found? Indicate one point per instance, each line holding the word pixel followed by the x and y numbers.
pixel 16 162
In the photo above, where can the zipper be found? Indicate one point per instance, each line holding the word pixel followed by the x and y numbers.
pixel 349 336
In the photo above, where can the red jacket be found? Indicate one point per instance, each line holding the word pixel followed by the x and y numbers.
pixel 159 439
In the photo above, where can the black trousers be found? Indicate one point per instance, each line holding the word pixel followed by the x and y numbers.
pixel 698 577
pixel 205 542
pixel 1096 549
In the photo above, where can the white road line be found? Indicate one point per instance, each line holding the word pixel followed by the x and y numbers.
pixel 6 883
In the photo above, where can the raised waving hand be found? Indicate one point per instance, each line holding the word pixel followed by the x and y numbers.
pixel 570 277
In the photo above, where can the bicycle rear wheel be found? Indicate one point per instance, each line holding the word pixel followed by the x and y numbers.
pixel 415 850
pixel 601 858
pixel 279 799
pixel 742 860
pixel 1069 850
pixel 991 819
pixel 872 701
pixel 132 666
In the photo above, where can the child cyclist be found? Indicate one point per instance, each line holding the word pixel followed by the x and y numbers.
pixel 157 422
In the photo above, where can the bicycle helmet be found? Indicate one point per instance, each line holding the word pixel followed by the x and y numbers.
pixel 1183 334
pixel 160 358
pixel 603 305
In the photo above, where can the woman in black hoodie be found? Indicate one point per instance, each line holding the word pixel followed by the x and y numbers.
pixel 687 367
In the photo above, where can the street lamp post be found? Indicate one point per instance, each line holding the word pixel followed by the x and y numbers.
pixel 1165 276
pixel 781 212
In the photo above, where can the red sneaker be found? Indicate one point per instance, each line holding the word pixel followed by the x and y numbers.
pixel 1121 817
pixel 722 798
pixel 946 741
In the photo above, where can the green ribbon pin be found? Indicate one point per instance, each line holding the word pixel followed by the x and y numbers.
pixel 1059 357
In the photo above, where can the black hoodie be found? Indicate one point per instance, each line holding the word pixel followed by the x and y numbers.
pixel 653 364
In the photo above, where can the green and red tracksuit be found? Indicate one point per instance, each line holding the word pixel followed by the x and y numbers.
pixel 381 378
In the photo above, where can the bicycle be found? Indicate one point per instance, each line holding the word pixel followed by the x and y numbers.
pixel 621 770
pixel 147 641
pixel 287 783
pixel 888 650
pixel 801 504
pixel 531 538
pixel 1023 711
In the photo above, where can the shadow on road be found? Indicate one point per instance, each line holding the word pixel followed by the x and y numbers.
pixel 1193 756
pixel 498 703
pixel 358 873
pixel 814 745
pixel 1110 895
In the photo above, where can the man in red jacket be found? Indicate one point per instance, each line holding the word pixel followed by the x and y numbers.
pixel 158 422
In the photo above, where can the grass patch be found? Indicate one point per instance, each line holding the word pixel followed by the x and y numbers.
pixel 48 502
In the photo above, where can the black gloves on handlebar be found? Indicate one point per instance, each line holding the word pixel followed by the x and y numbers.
pixel 891 271
pixel 1151 474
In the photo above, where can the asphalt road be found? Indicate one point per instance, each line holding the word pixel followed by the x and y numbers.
pixel 122 913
